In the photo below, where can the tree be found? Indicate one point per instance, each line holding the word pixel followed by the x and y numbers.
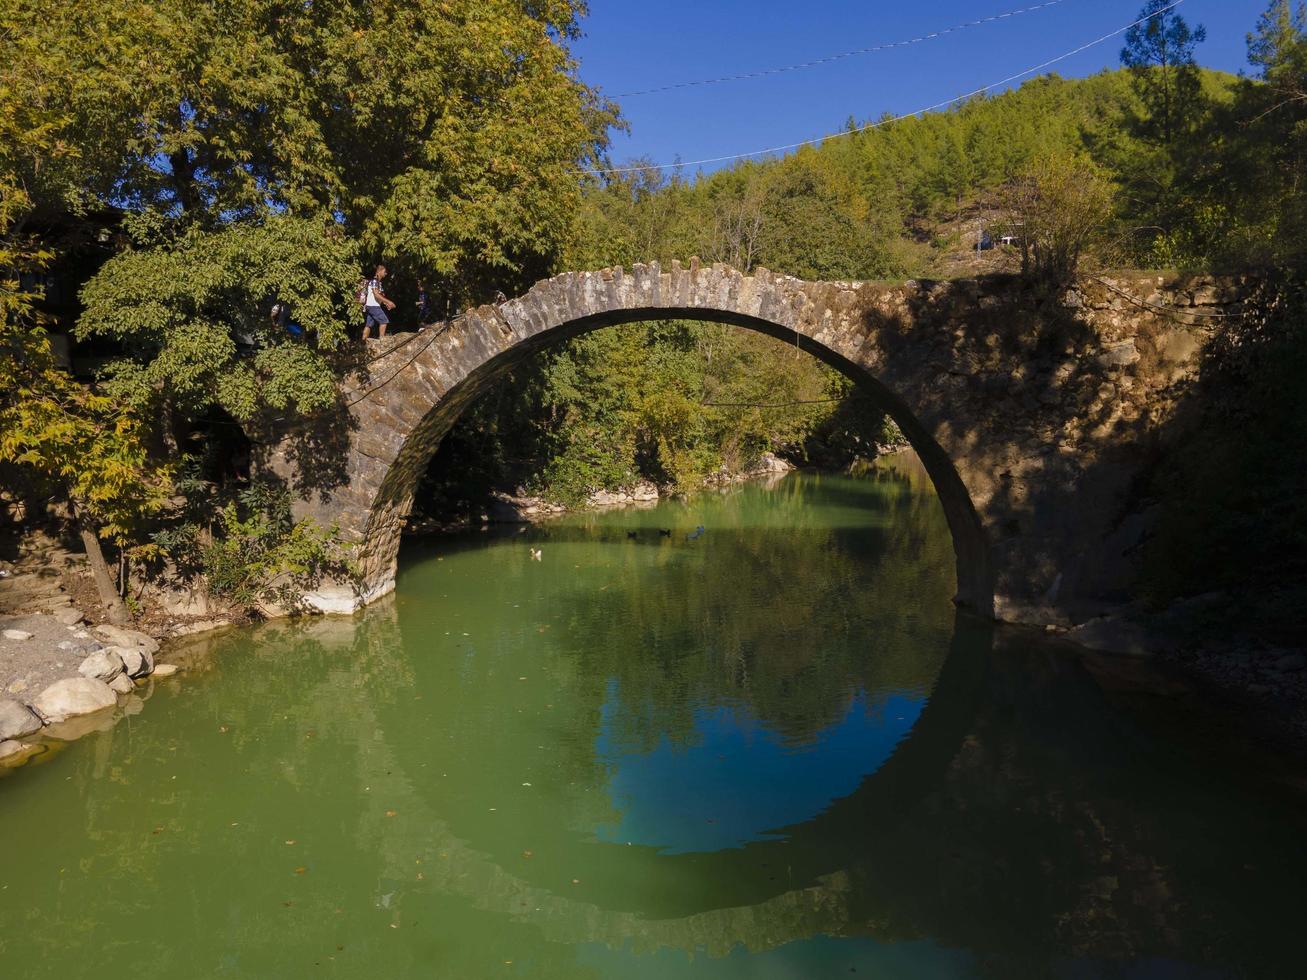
pixel 1279 48
pixel 445 134
pixel 1160 56
pixel 86 445
pixel 193 315
pixel 1058 207
pixel 83 445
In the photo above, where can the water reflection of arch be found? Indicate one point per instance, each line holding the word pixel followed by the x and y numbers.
pixel 995 828
pixel 738 895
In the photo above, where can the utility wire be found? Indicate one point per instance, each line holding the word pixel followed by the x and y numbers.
pixel 890 119
pixel 810 401
pixel 1173 311
pixel 764 72
pixel 369 390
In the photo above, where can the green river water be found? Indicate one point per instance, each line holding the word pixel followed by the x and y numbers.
pixel 769 750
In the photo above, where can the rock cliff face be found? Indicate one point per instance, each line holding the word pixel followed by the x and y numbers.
pixel 1033 417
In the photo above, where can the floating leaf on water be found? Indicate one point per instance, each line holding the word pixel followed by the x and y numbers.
pixel 290 842
pixel 390 813
pixel 301 870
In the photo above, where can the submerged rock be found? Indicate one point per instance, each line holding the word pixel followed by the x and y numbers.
pixel 16 720
pixel 74 696
pixel 14 754
pixel 1115 634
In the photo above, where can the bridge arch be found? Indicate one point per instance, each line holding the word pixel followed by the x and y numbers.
pixel 1031 452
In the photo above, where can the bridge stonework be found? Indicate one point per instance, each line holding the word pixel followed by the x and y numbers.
pixel 1034 420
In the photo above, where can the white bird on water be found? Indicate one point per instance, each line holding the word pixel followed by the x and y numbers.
pixel 535 554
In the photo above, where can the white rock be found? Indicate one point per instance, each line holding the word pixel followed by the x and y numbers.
pixel 181 603
pixel 69 616
pixel 73 696
pixel 119 637
pixel 137 663
pixel 103 665
pixel 16 720
pixel 165 670
pixel 122 684
pixel 17 635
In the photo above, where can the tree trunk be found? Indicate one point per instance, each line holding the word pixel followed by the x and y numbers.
pixel 183 180
pixel 113 602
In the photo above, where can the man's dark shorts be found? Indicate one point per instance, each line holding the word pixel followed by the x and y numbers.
pixel 376 317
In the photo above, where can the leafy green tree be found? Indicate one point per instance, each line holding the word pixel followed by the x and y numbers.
pixel 246 549
pixel 85 446
pixel 443 134
pixel 1060 206
pixel 1271 156
pixel 194 316
pixel 81 446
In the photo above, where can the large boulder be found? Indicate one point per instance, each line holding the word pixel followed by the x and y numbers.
pixel 103 665
pixel 74 696
pixel 16 720
pixel 119 637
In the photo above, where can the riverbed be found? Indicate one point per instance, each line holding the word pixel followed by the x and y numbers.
pixel 746 735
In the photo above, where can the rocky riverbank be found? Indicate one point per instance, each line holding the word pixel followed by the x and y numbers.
pixel 1207 638
pixel 519 507
pixel 61 674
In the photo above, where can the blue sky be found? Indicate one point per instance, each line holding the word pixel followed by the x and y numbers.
pixel 630 46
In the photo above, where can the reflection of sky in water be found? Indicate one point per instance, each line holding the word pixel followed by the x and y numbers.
pixel 738 781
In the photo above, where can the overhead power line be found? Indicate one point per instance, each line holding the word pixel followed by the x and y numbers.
pixel 829 59
pixel 885 121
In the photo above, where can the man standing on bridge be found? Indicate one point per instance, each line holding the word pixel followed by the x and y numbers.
pixel 373 301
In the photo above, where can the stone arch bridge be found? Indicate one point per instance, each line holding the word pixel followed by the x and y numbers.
pixel 1034 419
